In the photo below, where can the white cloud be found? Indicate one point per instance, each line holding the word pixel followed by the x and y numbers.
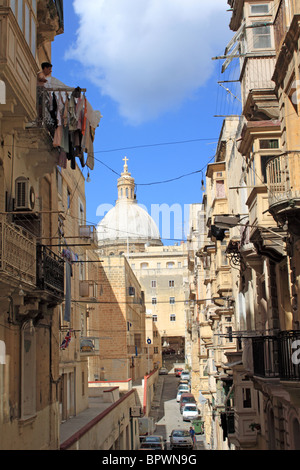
pixel 149 55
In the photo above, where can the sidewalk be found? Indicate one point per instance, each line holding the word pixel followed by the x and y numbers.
pixel 75 424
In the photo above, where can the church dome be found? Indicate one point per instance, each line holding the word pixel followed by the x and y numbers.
pixel 127 221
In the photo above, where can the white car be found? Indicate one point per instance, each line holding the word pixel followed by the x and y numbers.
pixel 190 411
pixel 180 438
pixel 153 443
pixel 185 375
pixel 179 393
pixel 186 388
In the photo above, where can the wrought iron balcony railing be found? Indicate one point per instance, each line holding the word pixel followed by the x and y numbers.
pixel 289 354
pixel 265 356
pixel 17 252
pixel 277 356
pixel 50 271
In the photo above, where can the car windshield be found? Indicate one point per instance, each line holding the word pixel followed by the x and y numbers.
pixel 181 433
pixel 190 408
pixel 152 439
pixel 187 399
pixel 150 445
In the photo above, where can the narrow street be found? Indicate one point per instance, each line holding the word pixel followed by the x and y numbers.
pixel 168 416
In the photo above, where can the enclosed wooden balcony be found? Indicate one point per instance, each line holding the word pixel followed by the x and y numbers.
pixel 88 290
pixel 283 176
pixel 18 70
pixel 89 346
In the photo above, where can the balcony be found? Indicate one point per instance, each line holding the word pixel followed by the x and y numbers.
pixel 89 233
pixel 224 281
pixel 283 176
pixel 89 346
pixel 50 272
pixel 265 356
pixel 276 356
pixel 17 254
pixel 88 290
pixel 18 70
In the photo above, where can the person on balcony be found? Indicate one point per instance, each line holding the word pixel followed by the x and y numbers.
pixel 42 77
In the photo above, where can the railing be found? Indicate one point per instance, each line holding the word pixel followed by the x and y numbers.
pixel 50 271
pixel 283 177
pixel 265 356
pixel 288 344
pixel 277 356
pixel 17 252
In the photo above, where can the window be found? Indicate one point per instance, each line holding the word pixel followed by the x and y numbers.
pixel 263 164
pixel 144 265
pixel 172 300
pixel 170 264
pixel 220 189
pixel 268 144
pixel 247 398
pixel 158 265
pixel 261 9
pixel 154 300
pixel 68 199
pixel 25 12
pixel 153 283
pixel 171 283
pixel 154 318
pixel 261 36
pixel 172 317
pixel 131 290
pixel 81 212
pixel 28 386
pixel 229 333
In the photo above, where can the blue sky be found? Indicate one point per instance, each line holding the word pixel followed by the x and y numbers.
pixel 147 67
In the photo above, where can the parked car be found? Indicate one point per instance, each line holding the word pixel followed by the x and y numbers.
pixel 186 398
pixel 163 371
pixel 180 438
pixel 190 411
pixel 153 443
pixel 185 375
pixel 178 371
pixel 179 393
pixel 183 381
pixel 184 387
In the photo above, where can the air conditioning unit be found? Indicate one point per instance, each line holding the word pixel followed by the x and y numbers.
pixel 24 194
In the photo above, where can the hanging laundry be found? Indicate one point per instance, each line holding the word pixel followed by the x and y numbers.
pixel 74 125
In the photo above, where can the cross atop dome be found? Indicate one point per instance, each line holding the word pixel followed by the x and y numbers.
pixel 125 164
